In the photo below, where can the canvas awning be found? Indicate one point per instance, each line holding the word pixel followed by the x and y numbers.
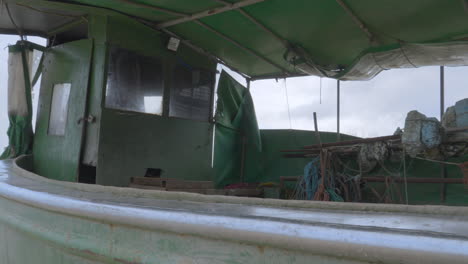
pixel 348 40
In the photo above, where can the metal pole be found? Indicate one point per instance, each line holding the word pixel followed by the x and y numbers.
pixel 443 172
pixel 244 146
pixel 338 136
pixel 243 153
pixel 209 12
pixel 442 91
pixel 317 132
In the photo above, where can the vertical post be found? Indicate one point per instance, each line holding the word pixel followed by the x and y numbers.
pixel 317 132
pixel 442 91
pixel 244 145
pixel 443 172
pixel 338 136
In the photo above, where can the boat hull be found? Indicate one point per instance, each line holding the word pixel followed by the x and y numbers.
pixel 45 221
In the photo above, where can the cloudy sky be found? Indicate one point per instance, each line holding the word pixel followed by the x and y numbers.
pixel 368 108
pixel 372 108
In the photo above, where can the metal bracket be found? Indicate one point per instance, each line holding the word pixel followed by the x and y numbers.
pixel 90 119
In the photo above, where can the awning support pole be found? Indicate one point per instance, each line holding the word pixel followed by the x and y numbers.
pixel 442 91
pixel 338 136
pixel 152 7
pixel 207 13
pixel 443 172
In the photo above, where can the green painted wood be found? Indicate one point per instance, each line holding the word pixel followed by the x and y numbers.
pixel 130 142
pixel 97 84
pixel 58 157
pixel 274 140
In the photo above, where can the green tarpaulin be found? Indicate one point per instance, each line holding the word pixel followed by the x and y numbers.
pixel 237 138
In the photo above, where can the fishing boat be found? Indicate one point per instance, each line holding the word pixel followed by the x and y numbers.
pixel 144 151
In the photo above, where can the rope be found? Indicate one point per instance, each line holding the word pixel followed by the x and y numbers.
pixel 320 90
pixel 287 102
pixel 441 162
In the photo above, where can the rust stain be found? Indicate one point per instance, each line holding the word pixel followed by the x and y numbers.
pixel 89 252
pixel 261 249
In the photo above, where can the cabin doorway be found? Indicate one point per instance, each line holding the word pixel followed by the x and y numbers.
pixel 61 117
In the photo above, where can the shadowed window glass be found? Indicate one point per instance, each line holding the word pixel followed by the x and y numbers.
pixel 191 93
pixel 134 82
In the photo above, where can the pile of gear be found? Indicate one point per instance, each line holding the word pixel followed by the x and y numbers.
pixel 336 172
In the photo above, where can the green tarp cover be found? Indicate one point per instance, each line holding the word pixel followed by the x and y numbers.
pixel 20 137
pixel 350 40
pixel 237 138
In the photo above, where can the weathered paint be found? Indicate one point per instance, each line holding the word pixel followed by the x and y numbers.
pixel 60 222
pixel 96 91
pixel 58 157
pixel 130 142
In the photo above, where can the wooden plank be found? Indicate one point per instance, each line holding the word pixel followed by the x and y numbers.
pixel 173 183
pixel 147 181
pixel 147 187
pixel 244 192
pixel 180 184
pixel 200 191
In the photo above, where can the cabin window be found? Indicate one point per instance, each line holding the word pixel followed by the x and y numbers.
pixel 191 93
pixel 134 82
pixel 59 109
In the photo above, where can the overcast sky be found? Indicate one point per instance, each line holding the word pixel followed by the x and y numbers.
pixel 372 108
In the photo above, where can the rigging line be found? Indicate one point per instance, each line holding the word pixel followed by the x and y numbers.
pixel 289 114
pixel 406 56
pixel 320 90
pixel 13 22
pixel 438 161
pixel 377 62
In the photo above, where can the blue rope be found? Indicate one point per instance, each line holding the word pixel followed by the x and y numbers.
pixel 312 178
